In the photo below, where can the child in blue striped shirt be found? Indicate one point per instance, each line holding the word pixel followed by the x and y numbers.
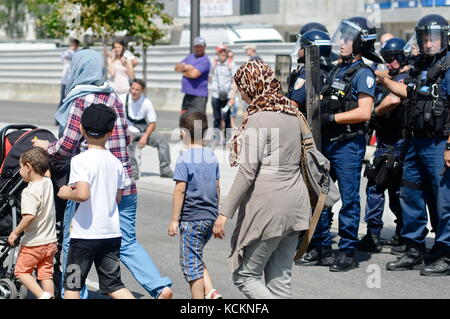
pixel 195 203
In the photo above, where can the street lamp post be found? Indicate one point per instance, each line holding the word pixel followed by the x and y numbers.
pixel 195 21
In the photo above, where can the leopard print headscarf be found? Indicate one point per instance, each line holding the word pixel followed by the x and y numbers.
pixel 257 80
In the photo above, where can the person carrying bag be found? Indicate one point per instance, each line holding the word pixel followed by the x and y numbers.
pixel 323 192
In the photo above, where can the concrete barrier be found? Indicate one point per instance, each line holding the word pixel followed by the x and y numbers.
pixel 35 75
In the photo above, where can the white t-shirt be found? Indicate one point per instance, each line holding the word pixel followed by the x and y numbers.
pixel 138 110
pixel 128 55
pixel 98 217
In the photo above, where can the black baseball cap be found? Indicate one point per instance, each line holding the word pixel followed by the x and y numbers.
pixel 98 119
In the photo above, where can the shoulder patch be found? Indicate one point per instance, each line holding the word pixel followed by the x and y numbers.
pixel 299 83
pixel 370 82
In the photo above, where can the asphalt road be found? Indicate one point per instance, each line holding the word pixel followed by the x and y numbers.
pixel 369 280
pixel 42 114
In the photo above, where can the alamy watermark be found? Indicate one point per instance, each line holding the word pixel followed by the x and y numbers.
pixel 374 278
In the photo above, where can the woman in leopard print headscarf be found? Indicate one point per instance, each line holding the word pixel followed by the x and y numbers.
pixel 269 189
pixel 257 83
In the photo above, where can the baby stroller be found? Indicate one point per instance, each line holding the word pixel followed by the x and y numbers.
pixel 14 140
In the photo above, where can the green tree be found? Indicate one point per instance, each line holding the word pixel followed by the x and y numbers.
pixel 145 30
pixel 48 16
pixel 105 18
pixel 12 17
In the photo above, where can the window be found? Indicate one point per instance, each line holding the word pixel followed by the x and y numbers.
pixel 250 7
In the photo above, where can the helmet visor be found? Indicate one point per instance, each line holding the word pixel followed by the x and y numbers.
pixel 344 37
pixel 294 53
pixel 411 47
pixel 431 41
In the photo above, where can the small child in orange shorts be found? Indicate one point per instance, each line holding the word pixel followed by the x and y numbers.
pixel 38 245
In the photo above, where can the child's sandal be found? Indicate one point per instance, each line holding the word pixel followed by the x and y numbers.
pixel 213 294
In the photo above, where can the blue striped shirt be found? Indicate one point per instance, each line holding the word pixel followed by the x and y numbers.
pixel 198 167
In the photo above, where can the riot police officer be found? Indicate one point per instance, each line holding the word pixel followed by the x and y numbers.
pixel 347 104
pixel 386 170
pixel 322 40
pixel 297 77
pixel 427 159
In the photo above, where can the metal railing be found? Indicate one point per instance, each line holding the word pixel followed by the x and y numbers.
pixel 45 66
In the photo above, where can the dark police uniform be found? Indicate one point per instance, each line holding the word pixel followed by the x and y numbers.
pixel 344 145
pixel 427 118
pixel 298 92
pixel 297 80
pixel 391 147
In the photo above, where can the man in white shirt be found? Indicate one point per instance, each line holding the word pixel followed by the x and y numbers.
pixel 141 118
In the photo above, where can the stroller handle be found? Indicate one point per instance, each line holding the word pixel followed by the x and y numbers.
pixel 13 127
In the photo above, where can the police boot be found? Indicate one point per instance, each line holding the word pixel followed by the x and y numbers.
pixel 370 243
pixel 440 267
pixel 436 252
pixel 343 262
pixel 412 259
pixel 317 256
pixel 395 240
pixel 399 250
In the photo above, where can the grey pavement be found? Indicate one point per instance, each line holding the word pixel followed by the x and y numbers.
pixel 43 114
pixel 369 280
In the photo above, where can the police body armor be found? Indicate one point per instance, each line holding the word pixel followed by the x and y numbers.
pixel 426 114
pixel 387 128
pixel 337 98
pixel 325 70
pixel 386 169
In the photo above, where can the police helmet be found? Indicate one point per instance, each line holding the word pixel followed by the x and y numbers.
pixel 307 27
pixel 312 26
pixel 393 49
pixel 319 38
pixel 432 34
pixel 356 31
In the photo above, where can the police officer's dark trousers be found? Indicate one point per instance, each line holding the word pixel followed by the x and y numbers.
pixel 424 168
pixel 375 195
pixel 346 163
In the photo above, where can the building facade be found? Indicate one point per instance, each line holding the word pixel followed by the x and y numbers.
pixel 287 16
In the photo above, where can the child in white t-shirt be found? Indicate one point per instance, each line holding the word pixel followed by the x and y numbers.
pixel 96 182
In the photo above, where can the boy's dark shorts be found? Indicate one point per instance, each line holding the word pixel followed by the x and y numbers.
pixel 104 253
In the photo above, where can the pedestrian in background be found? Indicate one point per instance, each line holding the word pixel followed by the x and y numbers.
pixel 120 68
pixel 223 89
pixel 250 51
pixel 195 69
pixel 141 118
pixel 66 59
pixel 195 203
pixel 130 56
pixel 269 189
pixel 235 107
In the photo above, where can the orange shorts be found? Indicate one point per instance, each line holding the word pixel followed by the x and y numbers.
pixel 39 257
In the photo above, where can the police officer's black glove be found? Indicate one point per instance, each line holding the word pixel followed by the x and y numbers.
pixel 326 118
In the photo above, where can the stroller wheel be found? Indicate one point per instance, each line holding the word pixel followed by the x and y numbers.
pixel 23 292
pixel 7 289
